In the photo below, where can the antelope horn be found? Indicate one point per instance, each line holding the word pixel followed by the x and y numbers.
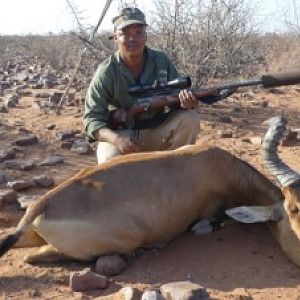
pixel 283 173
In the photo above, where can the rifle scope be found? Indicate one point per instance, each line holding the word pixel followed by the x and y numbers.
pixel 182 82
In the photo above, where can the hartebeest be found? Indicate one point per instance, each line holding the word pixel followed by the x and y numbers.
pixel 142 199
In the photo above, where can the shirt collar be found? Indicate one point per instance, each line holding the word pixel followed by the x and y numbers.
pixel 149 55
pixel 148 67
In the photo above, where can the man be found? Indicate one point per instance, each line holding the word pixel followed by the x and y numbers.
pixel 135 63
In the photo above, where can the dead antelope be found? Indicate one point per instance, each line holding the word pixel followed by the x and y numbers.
pixel 147 198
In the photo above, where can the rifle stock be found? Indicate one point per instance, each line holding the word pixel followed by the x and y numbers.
pixel 168 95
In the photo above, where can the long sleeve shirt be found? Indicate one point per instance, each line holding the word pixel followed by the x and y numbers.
pixel 108 89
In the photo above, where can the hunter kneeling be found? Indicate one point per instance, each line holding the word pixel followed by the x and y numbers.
pixel 108 96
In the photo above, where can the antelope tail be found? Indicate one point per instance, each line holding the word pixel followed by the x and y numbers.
pixel 8 240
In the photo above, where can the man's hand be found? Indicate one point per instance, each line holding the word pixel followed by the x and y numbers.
pixel 187 99
pixel 126 145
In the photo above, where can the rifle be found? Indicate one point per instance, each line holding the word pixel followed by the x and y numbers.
pixel 164 96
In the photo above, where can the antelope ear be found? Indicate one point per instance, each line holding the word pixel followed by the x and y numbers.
pixel 254 214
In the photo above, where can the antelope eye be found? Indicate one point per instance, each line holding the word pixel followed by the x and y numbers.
pixel 294 210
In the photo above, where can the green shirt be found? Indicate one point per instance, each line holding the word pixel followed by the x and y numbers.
pixel 108 89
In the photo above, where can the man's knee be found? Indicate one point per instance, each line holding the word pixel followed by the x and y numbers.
pixel 189 118
pixel 106 151
pixel 185 127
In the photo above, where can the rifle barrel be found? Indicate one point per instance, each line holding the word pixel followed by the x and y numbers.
pixel 279 79
pixel 239 84
pixel 267 81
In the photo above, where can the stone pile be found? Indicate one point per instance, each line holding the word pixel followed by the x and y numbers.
pixel 23 73
pixel 112 265
pixel 11 159
pixel 87 280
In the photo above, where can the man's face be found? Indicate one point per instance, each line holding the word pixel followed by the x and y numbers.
pixel 131 39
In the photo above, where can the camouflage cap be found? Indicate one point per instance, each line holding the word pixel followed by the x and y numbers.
pixel 129 16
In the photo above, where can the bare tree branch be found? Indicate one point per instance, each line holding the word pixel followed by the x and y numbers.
pixel 76 13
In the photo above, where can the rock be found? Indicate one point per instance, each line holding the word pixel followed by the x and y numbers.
pixel 25 93
pixel 16 148
pixel 246 140
pixel 62 87
pixel 81 147
pixel 225 119
pixel 26 200
pixel 289 137
pixel 184 290
pixel 50 126
pixel 2 177
pixel 87 280
pixel 11 101
pixel 152 295
pixel 43 95
pixel 64 134
pixel 236 109
pixel 22 76
pixel 249 95
pixel 202 227
pixel 24 130
pixel 18 165
pixel 261 103
pixel 52 160
pixel 30 139
pixel 110 265
pixel 225 134
pixel 48 84
pixel 67 144
pixel 55 97
pixel 45 143
pixel 129 293
pixel 244 121
pixel 36 104
pixel 264 103
pixel 70 103
pixel 3 109
pixel 7 196
pixel 20 185
pixel 37 86
pixel 43 181
pixel 12 92
pixel 256 140
pixel 49 81
pixel 33 293
pixel 276 91
pixel 4 85
pixel 7 154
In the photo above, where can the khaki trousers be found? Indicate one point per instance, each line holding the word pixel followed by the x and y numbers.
pixel 179 129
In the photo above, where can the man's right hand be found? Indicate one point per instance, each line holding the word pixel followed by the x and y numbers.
pixel 126 145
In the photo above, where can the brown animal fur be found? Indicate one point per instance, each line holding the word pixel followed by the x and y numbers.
pixel 141 199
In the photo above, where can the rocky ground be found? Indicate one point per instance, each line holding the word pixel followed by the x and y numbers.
pixel 39 149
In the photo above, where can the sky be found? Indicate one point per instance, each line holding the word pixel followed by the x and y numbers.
pixel 44 16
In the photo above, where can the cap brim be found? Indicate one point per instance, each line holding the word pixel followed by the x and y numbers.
pixel 130 22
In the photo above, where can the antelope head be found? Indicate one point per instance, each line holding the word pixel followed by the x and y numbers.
pixel 288 179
